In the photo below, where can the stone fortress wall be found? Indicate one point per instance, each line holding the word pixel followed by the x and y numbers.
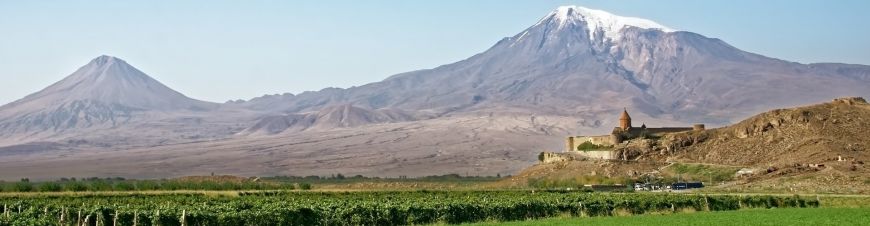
pixel 620 134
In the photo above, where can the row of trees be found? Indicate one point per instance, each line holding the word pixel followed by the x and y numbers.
pixel 143 185
pixel 340 178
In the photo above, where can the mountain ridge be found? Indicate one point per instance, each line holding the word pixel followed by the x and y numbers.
pixel 489 113
pixel 561 68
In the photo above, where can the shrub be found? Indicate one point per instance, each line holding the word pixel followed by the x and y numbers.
pixel 100 185
pixel 124 186
pixel 587 146
pixel 50 187
pixel 22 186
pixel 75 186
pixel 147 185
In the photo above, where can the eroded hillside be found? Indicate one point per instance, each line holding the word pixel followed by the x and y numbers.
pixel 817 148
pixel 817 134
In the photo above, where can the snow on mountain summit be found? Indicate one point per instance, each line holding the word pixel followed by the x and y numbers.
pixel 598 21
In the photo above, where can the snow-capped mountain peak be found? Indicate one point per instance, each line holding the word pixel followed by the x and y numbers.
pixel 598 21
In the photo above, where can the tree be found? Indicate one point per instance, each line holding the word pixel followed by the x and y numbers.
pixel 586 146
pixel 23 186
pixel 124 186
pixel 50 187
pixel 100 185
pixel 75 186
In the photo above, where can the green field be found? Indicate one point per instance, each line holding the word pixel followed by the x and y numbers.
pixel 360 208
pixel 772 217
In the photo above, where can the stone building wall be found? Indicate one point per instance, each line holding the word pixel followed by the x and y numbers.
pixel 550 157
pixel 572 143
pixel 604 140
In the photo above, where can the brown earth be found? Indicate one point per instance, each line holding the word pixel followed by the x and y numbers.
pixel 817 148
pixel 817 134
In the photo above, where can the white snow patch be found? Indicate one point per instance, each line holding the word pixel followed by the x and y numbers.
pixel 520 38
pixel 599 20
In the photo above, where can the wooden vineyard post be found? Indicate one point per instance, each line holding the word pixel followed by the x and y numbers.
pixel 135 218
pixel 707 202
pixel 87 220
pixel 79 218
pixel 183 216
pixel 62 211
pixel 115 218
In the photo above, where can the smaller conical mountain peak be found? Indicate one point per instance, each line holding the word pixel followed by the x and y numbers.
pixel 107 70
pixel 103 60
pixel 597 21
pixel 109 81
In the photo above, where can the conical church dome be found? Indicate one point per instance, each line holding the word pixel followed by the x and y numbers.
pixel 624 120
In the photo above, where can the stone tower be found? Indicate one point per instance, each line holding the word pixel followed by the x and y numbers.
pixel 624 120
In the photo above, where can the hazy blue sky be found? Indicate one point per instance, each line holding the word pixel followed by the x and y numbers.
pixel 221 50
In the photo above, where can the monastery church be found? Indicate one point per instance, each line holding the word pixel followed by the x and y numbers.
pixel 625 132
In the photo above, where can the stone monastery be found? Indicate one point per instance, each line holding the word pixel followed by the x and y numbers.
pixel 624 132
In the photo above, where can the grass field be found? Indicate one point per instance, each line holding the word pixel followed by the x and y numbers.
pixel 772 217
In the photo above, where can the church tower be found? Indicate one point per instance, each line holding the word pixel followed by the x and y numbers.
pixel 624 120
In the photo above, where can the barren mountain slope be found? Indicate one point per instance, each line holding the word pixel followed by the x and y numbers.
pixel 108 102
pixel 583 61
pixel 817 148
pixel 811 134
pixel 334 117
pixel 483 145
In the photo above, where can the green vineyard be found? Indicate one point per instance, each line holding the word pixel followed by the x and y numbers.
pixel 359 208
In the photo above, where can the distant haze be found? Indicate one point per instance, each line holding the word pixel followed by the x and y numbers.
pixel 217 51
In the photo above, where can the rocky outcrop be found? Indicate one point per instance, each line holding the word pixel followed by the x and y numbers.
pixel 675 141
pixel 851 101
pixel 812 134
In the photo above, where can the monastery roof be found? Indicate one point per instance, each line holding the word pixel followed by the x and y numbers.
pixel 624 114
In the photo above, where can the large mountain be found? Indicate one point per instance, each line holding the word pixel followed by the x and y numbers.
pixel 571 72
pixel 105 93
pixel 590 64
